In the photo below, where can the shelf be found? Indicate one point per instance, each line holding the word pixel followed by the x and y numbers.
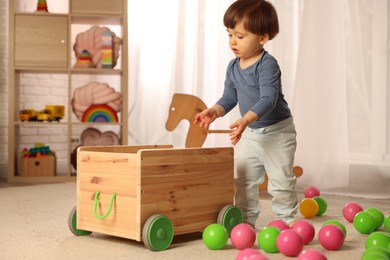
pixel 99 7
pixel 41 14
pixel 93 19
pixel 41 72
pixel 96 124
pixel 35 124
pixel 97 71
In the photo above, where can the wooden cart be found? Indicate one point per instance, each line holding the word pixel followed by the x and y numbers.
pixel 151 193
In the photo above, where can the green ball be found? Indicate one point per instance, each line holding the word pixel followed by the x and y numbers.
pixel 374 256
pixel 378 215
pixel 364 222
pixel 322 205
pixel 376 250
pixel 215 236
pixel 267 239
pixel 337 223
pixel 386 223
pixel 378 239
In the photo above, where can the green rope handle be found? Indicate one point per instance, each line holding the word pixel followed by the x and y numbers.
pixel 96 203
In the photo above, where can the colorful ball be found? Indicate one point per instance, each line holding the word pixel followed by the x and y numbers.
pixel 376 253
pixel 378 216
pixel 281 224
pixel 350 210
pixel 364 222
pixel 289 242
pixel 215 236
pixel 243 236
pixel 377 239
pixel 331 237
pixel 311 254
pixel 308 207
pixel 267 239
pixel 386 223
pixel 305 229
pixel 337 223
pixel 311 192
pixel 322 205
pixel 250 254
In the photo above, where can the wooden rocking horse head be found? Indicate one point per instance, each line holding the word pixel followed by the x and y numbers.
pixel 184 106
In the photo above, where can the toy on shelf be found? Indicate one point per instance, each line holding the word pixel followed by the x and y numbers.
pixel 87 98
pixel 38 161
pixel 28 115
pixel 94 137
pixel 101 43
pixel 42 6
pixel 49 114
pixel 84 60
pixel 100 114
pixel 107 50
pixel 38 151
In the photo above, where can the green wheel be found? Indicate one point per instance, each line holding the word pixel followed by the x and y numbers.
pixel 157 233
pixel 229 217
pixel 72 224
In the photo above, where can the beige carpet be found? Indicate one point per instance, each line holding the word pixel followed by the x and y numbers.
pixel 34 226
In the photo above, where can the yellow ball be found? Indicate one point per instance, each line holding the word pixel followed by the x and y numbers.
pixel 308 207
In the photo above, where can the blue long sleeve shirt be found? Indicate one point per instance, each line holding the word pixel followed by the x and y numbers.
pixel 257 88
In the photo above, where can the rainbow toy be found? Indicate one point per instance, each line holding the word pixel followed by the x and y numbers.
pixel 42 6
pixel 106 50
pixel 99 113
pixel 84 61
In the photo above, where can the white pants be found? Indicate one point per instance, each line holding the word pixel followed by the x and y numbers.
pixel 270 149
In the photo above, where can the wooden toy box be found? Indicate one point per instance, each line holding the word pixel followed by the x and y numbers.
pixel 45 166
pixel 189 185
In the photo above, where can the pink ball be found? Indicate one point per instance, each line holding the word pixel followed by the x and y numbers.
pixel 305 229
pixel 331 237
pixel 311 192
pixel 278 223
pixel 250 254
pixel 243 236
pixel 311 254
pixel 289 242
pixel 350 210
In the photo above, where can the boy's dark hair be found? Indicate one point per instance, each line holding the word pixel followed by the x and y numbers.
pixel 259 17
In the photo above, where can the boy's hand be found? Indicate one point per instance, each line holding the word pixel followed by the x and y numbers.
pixel 206 117
pixel 238 128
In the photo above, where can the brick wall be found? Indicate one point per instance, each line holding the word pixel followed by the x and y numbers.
pixel 36 91
pixel 3 87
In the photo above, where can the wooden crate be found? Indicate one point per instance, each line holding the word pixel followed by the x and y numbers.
pixel 189 185
pixel 45 166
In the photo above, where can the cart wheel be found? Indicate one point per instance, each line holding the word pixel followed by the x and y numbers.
pixel 229 217
pixel 72 224
pixel 157 233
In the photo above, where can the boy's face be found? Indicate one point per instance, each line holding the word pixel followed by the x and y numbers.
pixel 244 44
